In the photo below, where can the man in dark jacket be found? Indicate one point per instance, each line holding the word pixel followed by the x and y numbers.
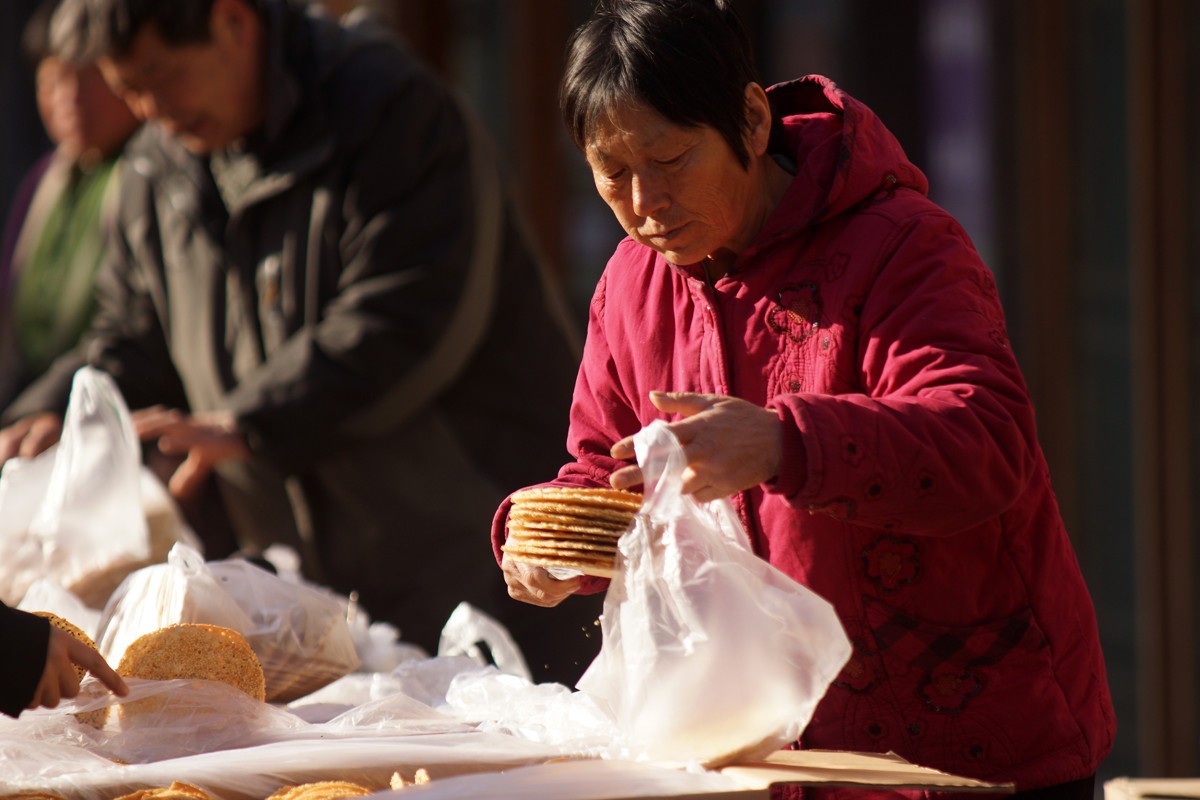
pixel 321 299
pixel 38 668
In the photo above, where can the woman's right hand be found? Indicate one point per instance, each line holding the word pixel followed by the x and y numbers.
pixel 30 436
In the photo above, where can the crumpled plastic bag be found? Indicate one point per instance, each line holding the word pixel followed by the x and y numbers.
pixel 471 632
pixel 46 595
pixel 709 652
pixel 84 513
pixel 548 713
pixel 213 736
pixel 158 720
pixel 298 631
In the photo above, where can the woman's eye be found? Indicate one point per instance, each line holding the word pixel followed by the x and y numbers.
pixel 670 162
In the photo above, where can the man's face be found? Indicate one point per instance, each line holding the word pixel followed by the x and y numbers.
pixel 208 95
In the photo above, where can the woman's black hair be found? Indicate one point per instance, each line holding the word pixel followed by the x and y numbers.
pixel 688 60
pixel 86 30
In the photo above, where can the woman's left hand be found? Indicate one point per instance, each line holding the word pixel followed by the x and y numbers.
pixel 731 444
pixel 535 585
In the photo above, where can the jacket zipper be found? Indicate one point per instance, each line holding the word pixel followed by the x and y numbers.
pixel 712 318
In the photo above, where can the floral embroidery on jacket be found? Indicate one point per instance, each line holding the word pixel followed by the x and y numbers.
pixel 953 662
pixel 891 562
pixel 836 267
pixel 946 689
pixel 852 451
pixel 860 674
pixel 796 312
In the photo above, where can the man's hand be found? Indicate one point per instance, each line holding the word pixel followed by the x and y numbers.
pixel 206 439
pixel 730 444
pixel 59 678
pixel 30 436
pixel 531 584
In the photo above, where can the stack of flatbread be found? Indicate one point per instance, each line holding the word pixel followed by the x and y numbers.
pixel 569 527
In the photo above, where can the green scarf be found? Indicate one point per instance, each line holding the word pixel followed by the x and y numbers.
pixel 55 297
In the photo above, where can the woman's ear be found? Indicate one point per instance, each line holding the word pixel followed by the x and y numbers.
pixel 758 119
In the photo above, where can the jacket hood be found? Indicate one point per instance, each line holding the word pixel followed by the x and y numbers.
pixel 842 153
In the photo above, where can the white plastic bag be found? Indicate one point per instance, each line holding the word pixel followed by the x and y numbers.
pixel 298 631
pixel 709 652
pixel 44 595
pixel 75 511
pixel 180 590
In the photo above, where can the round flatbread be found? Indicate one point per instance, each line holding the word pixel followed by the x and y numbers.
pixel 176 791
pixel 321 790
pixel 555 551
pixel 561 544
pixel 190 650
pixel 541 519
pixel 543 508
pixel 603 498
pixel 545 537
pixel 595 532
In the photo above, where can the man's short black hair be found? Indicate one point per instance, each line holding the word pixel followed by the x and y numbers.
pixel 688 60
pixel 86 30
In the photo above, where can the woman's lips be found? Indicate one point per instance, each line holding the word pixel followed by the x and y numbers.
pixel 667 235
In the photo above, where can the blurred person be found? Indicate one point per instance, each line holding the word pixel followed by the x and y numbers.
pixel 829 349
pixel 320 299
pixel 39 663
pixel 54 235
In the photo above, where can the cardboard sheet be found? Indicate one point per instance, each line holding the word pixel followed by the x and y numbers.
pixel 1138 788
pixel 837 768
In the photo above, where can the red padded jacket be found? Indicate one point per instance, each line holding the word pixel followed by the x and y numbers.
pixel 913 495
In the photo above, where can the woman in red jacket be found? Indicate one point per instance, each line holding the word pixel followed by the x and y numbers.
pixel 833 353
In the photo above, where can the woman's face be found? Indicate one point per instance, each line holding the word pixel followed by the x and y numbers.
pixel 680 191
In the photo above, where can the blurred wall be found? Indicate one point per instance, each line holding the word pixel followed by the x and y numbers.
pixel 22 139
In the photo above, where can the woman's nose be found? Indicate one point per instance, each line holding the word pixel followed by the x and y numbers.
pixel 649 195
